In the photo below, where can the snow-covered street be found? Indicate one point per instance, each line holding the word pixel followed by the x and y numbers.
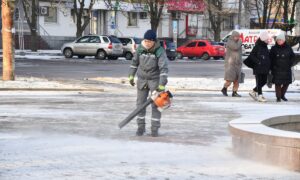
pixel 74 135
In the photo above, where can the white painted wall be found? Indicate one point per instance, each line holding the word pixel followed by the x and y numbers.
pixel 142 26
pixel 65 25
pixel 123 30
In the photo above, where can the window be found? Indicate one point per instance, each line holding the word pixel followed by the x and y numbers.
pixel 95 39
pixel 125 41
pixel 105 39
pixel 192 44
pixel 201 44
pixel 170 45
pixel 143 15
pixel 132 19
pixel 214 43
pixel 228 23
pixel 137 40
pixel 84 39
pixel 113 39
pixel 52 17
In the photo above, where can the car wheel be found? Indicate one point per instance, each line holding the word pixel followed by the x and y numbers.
pixel 172 58
pixel 205 56
pixel 179 55
pixel 68 53
pixel 128 56
pixel 81 57
pixel 101 55
pixel 217 58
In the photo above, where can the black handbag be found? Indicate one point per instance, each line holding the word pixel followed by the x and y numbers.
pixel 249 63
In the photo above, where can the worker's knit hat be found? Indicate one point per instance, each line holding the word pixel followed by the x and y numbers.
pixel 150 35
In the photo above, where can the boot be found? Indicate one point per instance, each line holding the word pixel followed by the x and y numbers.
pixel 155 125
pixel 235 94
pixel 284 99
pixel 224 91
pixel 141 130
pixel 253 94
pixel 278 100
pixel 283 91
pixel 154 132
pixel 261 98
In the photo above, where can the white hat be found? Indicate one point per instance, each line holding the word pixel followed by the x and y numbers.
pixel 264 36
pixel 281 36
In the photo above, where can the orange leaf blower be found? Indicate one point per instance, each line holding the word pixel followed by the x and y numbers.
pixel 161 99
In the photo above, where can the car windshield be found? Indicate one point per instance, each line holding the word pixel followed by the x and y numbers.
pixel 114 39
pixel 214 43
pixel 170 45
pixel 137 40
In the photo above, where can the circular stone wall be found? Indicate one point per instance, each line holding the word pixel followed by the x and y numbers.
pixel 275 141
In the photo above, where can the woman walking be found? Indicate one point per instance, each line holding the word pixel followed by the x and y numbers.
pixel 233 64
pixel 262 64
pixel 282 60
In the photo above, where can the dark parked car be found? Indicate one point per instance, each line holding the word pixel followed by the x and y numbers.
pixel 170 48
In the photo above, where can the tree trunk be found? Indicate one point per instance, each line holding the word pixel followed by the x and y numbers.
pixel 154 24
pixel 286 11
pixel 33 26
pixel 8 40
pixel 79 30
pixel 156 8
pixel 217 30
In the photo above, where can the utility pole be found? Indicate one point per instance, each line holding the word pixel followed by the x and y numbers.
pixel 240 14
pixel 8 40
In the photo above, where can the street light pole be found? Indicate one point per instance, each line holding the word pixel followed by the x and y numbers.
pixel 8 44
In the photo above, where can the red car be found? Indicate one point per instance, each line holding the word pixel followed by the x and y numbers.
pixel 204 49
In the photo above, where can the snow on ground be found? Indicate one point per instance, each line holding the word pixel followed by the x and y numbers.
pixel 62 156
pixel 66 135
pixel 32 83
pixel 39 52
pixel 210 84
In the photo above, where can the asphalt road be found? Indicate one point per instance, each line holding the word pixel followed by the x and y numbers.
pixel 79 69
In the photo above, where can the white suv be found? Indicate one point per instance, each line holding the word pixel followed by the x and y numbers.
pixel 101 47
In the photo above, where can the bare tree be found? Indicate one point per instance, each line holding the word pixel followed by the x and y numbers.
pixel 216 15
pixel 31 13
pixel 155 9
pixel 83 16
pixel 214 8
pixel 269 11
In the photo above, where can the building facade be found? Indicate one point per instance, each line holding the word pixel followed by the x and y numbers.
pixel 180 19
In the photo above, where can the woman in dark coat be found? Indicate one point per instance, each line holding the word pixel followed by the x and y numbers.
pixel 262 64
pixel 282 58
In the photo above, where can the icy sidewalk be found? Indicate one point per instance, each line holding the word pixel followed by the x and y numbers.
pixel 40 54
pixel 35 84
pixel 66 135
pixel 199 84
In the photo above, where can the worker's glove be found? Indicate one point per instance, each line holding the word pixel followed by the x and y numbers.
pixel 131 81
pixel 161 88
